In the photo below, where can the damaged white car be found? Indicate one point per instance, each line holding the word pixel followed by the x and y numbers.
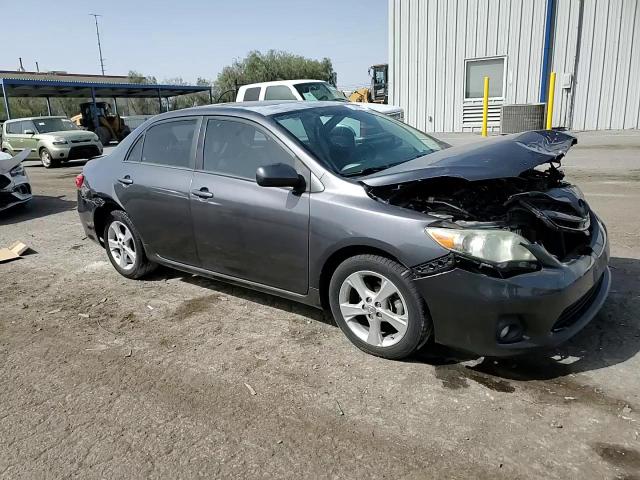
pixel 14 182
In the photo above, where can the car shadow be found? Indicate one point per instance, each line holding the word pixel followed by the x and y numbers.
pixel 71 163
pixel 611 338
pixel 244 293
pixel 39 206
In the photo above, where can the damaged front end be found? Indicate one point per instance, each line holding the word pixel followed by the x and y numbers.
pixel 501 226
pixel 14 182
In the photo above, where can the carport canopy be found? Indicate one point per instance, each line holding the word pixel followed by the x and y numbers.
pixel 21 84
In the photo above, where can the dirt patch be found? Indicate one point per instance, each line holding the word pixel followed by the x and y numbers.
pixel 194 306
pixel 618 455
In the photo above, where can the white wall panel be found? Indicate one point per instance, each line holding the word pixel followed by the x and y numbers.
pixel 429 41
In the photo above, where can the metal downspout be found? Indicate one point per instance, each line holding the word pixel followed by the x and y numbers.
pixel 546 52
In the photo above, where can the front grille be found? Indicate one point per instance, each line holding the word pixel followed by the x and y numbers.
pixel 574 312
pixel 84 151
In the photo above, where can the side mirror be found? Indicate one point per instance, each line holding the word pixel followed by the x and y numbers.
pixel 29 132
pixel 279 175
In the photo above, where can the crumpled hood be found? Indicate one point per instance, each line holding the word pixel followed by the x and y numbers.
pixel 499 157
pixel 7 162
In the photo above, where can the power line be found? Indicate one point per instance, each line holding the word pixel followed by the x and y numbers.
pixel 95 17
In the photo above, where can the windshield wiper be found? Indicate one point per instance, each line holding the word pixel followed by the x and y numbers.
pixel 370 170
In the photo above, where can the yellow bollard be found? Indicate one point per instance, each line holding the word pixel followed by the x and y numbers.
pixel 552 88
pixel 485 106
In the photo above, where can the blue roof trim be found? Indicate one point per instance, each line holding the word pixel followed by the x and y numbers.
pixel 100 85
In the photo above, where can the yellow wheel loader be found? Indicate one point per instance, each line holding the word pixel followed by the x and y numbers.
pixel 106 125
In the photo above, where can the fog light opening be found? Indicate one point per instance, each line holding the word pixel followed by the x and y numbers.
pixel 510 330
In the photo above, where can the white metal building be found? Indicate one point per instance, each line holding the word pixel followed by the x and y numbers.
pixel 440 51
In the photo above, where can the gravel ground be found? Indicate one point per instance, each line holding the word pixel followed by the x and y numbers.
pixel 179 376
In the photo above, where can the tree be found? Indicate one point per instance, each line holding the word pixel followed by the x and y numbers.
pixel 266 67
pixel 141 106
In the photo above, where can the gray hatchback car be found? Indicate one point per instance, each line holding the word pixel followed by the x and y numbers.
pixel 482 247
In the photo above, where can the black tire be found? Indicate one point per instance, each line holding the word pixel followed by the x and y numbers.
pixel 142 266
pixel 47 159
pixel 104 135
pixel 123 133
pixel 419 325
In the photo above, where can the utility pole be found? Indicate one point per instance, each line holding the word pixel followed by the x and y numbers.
pixel 95 17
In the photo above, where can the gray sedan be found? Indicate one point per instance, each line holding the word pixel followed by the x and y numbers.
pixel 483 247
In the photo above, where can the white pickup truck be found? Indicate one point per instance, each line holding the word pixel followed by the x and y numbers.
pixel 306 90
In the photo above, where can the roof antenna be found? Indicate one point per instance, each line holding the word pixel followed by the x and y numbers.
pixel 95 17
pixel 21 67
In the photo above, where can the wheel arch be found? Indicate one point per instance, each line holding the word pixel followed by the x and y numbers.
pixel 340 255
pixel 101 214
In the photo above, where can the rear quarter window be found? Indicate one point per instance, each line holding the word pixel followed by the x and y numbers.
pixel 135 153
pixel 13 127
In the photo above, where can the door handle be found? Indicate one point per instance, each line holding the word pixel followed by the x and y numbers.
pixel 202 193
pixel 126 180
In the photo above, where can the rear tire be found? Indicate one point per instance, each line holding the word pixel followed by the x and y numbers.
pixel 47 160
pixel 124 247
pixel 391 321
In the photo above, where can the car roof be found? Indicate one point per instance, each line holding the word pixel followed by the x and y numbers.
pixel 34 118
pixel 265 108
pixel 281 82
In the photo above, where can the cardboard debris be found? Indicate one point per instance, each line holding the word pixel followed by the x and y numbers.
pixel 13 252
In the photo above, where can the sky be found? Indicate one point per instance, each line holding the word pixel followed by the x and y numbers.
pixel 192 38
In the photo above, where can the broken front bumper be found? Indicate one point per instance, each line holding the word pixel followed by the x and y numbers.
pixel 470 310
pixel 14 190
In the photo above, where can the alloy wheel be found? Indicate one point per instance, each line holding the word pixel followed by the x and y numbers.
pixel 121 245
pixel 373 308
pixel 45 158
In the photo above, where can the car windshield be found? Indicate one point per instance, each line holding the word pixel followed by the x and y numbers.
pixel 353 141
pixel 319 91
pixel 48 125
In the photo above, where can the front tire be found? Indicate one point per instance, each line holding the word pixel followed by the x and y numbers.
pixel 378 308
pixel 47 160
pixel 104 135
pixel 124 247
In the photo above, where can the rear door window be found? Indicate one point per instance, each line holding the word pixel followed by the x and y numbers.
pixel 251 94
pixel 28 125
pixel 279 92
pixel 170 143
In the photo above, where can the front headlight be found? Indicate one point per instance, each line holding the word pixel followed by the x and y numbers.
pixel 491 245
pixel 59 141
pixel 17 170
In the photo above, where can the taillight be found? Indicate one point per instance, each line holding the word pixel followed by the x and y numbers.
pixel 79 181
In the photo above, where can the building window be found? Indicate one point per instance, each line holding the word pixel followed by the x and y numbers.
pixel 476 70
